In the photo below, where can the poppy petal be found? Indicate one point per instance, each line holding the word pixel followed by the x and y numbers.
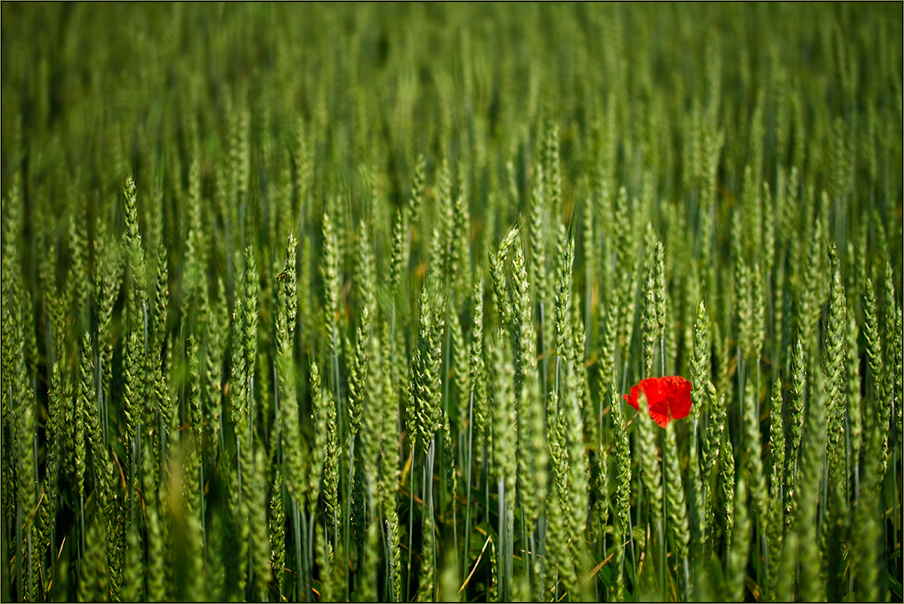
pixel 657 396
pixel 662 420
pixel 668 398
pixel 679 396
pixel 629 400
pixel 634 398
pixel 656 390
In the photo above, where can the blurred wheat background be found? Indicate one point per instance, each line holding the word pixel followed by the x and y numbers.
pixel 339 302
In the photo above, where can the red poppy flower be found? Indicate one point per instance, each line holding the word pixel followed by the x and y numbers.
pixel 668 398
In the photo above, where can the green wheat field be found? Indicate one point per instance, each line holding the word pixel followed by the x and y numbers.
pixel 340 302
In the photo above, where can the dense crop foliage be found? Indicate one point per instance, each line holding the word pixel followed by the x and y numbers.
pixel 341 302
